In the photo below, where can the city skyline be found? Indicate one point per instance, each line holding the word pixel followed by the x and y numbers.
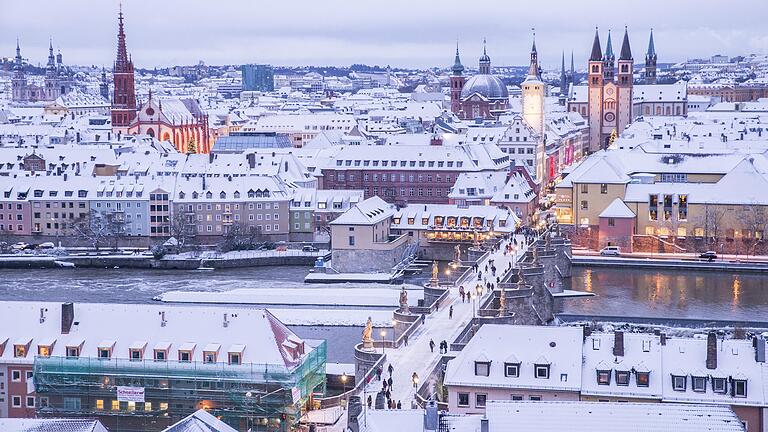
pixel 404 35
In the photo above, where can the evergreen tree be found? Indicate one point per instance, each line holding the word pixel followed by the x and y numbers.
pixel 191 146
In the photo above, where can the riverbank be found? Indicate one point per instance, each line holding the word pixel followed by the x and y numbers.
pixel 238 259
pixel 670 264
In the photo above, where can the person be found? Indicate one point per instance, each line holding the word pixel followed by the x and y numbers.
pixel 384 385
pixel 423 318
pixel 431 348
pixel 450 312
pixel 399 405
pixel 390 369
pixel 405 339
pixel 378 373
pixel 370 401
pixel 389 394
pixel 415 379
pixel 389 382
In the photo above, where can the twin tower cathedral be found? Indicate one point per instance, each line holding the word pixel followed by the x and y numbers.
pixel 606 100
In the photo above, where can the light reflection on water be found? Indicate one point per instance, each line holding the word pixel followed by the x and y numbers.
pixel 670 294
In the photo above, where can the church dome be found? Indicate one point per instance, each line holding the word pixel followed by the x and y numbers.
pixel 488 86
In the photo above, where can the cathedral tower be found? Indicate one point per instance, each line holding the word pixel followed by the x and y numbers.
pixel 19 80
pixel 485 62
pixel 595 93
pixel 457 82
pixel 124 95
pixel 51 76
pixel 650 62
pixel 624 96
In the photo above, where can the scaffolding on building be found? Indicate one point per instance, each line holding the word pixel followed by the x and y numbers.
pixel 258 397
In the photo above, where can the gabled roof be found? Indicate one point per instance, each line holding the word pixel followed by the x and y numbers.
pixel 617 209
pixel 200 421
pixel 368 212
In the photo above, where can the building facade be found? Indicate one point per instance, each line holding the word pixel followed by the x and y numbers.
pixel 124 93
pixel 258 77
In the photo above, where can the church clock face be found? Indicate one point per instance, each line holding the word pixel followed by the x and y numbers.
pixel 609 117
pixel 609 91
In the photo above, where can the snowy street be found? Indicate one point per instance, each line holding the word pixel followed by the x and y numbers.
pixel 416 357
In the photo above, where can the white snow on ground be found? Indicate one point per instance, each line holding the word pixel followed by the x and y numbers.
pixel 333 317
pixel 416 357
pixel 365 296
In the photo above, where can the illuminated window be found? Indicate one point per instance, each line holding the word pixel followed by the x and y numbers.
pixel 147 406
pixel 19 351
pixel 44 350
pixel 604 377
pixel 163 406
pixel 131 406
pixel 115 405
pixel 99 404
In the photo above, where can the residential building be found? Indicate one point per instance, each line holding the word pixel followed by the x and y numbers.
pixel 144 367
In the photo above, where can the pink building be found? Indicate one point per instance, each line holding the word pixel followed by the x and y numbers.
pixel 15 213
pixel 617 224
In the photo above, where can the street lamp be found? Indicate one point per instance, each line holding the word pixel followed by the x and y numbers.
pixel 344 383
pixel 394 332
pixel 383 333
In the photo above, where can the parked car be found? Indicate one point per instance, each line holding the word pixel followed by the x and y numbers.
pixel 20 246
pixel 309 248
pixel 46 245
pixel 708 255
pixel 610 251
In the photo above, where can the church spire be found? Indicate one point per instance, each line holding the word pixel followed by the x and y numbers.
pixel 122 51
pixel 651 48
pixel 533 70
pixel 597 51
pixel 609 48
pixel 51 58
pixel 563 81
pixel 458 68
pixel 626 51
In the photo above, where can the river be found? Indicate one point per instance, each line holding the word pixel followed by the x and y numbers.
pixel 619 292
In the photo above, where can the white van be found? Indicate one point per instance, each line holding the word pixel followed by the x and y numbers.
pixel 610 251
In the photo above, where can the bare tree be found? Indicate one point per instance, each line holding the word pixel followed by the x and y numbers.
pixel 755 219
pixel 97 228
pixel 183 228
pixel 240 237
pixel 711 221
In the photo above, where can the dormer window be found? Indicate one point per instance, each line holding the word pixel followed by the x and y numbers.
pixel 699 384
pixel 185 352
pixel 512 370
pixel 541 371
pixel 210 353
pixel 135 354
pixel 21 348
pixel 642 379
pixel 235 358
pixel 679 382
pixel 622 378
pixel 604 377
pixel 482 368
pixel 74 349
pixel 719 385
pixel 105 353
pixel 739 388
pixel 44 350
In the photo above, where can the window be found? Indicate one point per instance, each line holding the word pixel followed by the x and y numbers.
pixel 104 353
pixel 584 205
pixel 234 358
pixel 147 406
pixel 739 388
pixel 30 401
pixel 351 240
pixel 482 368
pixel 16 375
pixel 163 406
pixel 584 188
pixel 28 375
pixel 135 354
pixel 622 378
pixel 16 401
pixel 209 357
pixel 603 188
pixel 719 385
pixel 516 397
pixel 534 398
pixel 185 356
pixel 43 402
pixel 642 379
pixel 72 403
pixel 679 383
pixel 604 377
pixel 463 400
pixel 73 351
pixel 512 370
pixel 480 399
pixel 19 351
pixel 699 384
pixel 99 404
pixel 115 405
pixel 541 371
pixel 611 222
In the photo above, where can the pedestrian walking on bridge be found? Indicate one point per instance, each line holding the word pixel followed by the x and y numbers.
pixel 390 369
pixel 431 347
pixel 415 379
pixel 450 312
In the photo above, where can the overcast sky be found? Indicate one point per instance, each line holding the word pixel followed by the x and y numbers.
pixel 410 33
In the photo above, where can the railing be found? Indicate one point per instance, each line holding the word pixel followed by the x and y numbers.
pixel 333 401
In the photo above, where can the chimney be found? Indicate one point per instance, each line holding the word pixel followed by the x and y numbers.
pixel 663 339
pixel 436 141
pixel 67 317
pixel 759 342
pixel 618 343
pixel 711 350
pixel 587 331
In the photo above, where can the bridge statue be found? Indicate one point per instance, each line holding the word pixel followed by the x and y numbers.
pixel 457 254
pixel 404 301
pixel 367 332
pixel 434 281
